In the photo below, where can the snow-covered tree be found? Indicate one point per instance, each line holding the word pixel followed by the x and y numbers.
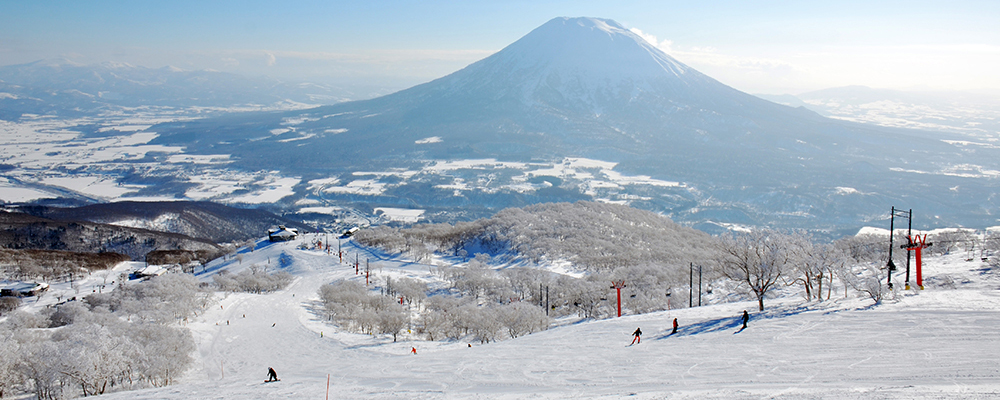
pixel 520 318
pixel 868 279
pixel 757 259
pixel 814 263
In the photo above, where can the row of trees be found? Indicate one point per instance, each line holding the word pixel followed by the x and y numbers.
pixel 612 243
pixel 123 340
pixel 50 265
pixel 595 237
pixel 355 308
pixel 255 280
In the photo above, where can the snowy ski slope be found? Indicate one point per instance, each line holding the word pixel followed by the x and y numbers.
pixel 943 342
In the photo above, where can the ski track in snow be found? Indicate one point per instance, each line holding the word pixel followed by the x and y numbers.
pixel 937 343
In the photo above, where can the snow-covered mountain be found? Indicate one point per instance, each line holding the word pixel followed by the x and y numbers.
pixel 586 87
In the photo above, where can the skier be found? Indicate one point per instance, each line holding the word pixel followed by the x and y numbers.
pixel 675 327
pixel 636 339
pixel 413 350
pixel 746 318
pixel 271 375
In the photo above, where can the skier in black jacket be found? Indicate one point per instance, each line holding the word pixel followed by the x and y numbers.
pixel 636 339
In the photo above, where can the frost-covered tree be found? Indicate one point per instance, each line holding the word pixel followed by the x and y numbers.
pixel 164 299
pixel 520 318
pixel 392 319
pixel 8 304
pixel 814 263
pixel 39 363
pixel 868 280
pixel 757 260
pixel 94 357
pixel 350 305
pixel 411 290
pixel 253 280
pixel 10 375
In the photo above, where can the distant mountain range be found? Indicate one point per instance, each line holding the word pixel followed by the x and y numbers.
pixel 20 231
pixel 215 223
pixel 66 89
pixel 586 88
pixel 969 113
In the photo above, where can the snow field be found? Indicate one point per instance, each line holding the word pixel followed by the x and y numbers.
pixel 930 344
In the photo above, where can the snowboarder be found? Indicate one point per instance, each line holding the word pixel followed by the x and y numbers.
pixel 746 318
pixel 637 335
pixel 413 350
pixel 675 327
pixel 271 375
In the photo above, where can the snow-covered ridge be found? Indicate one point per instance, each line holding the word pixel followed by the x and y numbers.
pixel 862 354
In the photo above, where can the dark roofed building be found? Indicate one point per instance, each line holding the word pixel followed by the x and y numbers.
pixel 282 234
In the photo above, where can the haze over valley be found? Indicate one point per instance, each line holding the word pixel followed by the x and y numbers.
pixel 578 109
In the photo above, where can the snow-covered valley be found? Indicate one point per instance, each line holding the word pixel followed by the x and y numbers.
pixel 940 342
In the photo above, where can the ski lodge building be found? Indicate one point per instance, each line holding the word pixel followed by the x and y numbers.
pixel 22 289
pixel 282 234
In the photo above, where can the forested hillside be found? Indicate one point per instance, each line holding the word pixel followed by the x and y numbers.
pixel 596 243
pixel 217 223
pixel 596 237
pixel 22 231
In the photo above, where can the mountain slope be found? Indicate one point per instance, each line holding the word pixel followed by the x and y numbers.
pixel 932 344
pixel 23 231
pixel 586 87
pixel 210 221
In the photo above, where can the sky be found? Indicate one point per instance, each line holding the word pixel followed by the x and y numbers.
pixel 771 47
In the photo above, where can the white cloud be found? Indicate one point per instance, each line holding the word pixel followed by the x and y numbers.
pixel 665 45
pixel 270 59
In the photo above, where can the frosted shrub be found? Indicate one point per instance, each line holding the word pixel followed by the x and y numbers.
pixel 8 304
pixel 522 318
pixel 253 280
pixel 351 306
pixel 867 279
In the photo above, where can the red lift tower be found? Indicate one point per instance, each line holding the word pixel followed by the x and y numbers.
pixel 618 285
pixel 917 244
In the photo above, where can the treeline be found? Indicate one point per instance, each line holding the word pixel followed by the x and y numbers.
pixel 405 305
pixel 50 265
pixel 122 340
pixel 23 231
pixel 163 257
pixel 595 237
pixel 606 242
pixel 255 280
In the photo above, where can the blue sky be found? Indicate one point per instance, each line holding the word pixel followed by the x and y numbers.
pixel 755 46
